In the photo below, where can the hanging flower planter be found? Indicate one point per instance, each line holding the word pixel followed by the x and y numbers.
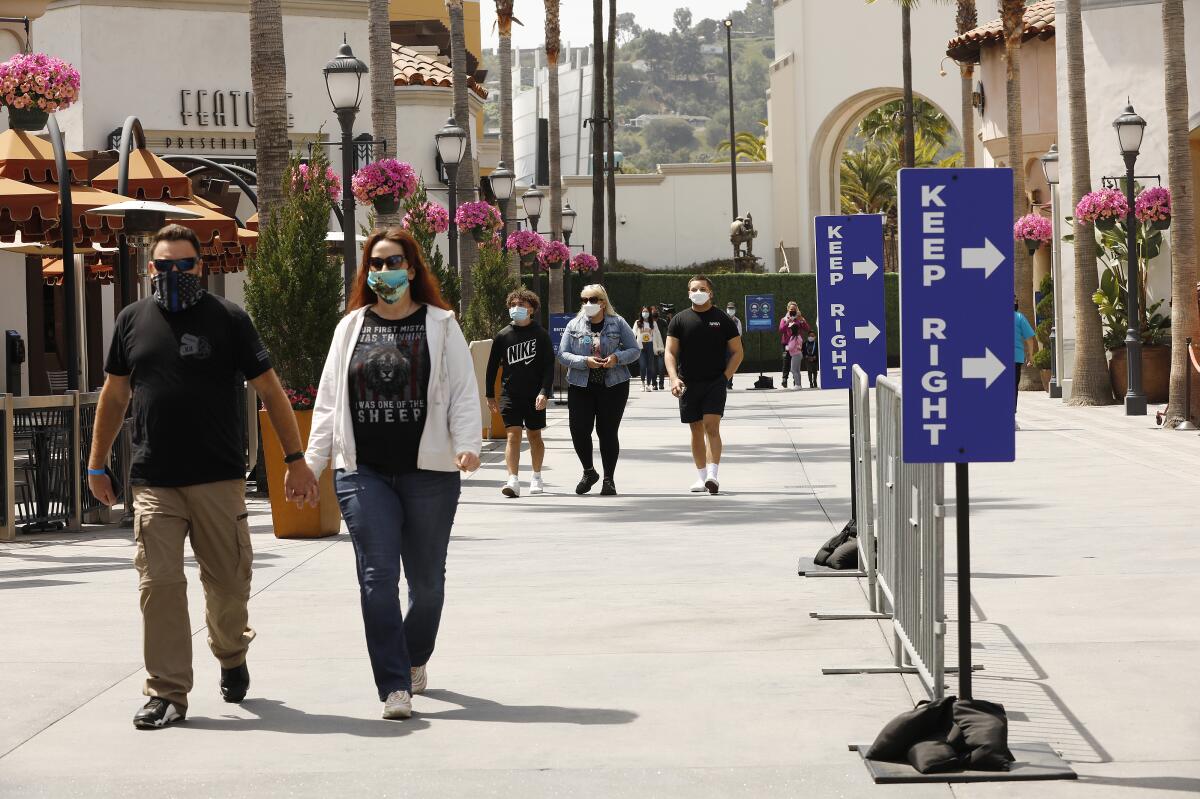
pixel 1105 208
pixel 33 86
pixel 554 255
pixel 429 217
pixel 527 245
pixel 482 235
pixel 384 184
pixel 387 204
pixel 584 263
pixel 1106 223
pixel 480 219
pixel 1035 230
pixel 1153 207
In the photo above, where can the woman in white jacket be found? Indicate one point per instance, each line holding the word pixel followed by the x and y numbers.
pixel 650 340
pixel 397 417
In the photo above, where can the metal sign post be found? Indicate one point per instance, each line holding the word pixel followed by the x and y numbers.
pixel 956 290
pixel 760 318
pixel 851 321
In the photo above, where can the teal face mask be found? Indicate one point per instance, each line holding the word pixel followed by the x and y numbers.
pixel 389 285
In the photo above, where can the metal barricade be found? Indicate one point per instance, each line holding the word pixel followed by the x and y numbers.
pixel 44 435
pixel 89 506
pixel 910 553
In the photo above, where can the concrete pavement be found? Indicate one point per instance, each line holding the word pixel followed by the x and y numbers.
pixel 653 644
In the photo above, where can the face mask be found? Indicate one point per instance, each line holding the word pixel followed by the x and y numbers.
pixel 792 313
pixel 518 313
pixel 176 291
pixel 645 315
pixel 812 338
pixel 590 309
pixel 389 286
pixel 698 297
pixel 731 311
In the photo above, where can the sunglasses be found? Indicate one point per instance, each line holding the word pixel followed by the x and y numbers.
pixel 391 262
pixel 178 264
pixel 591 299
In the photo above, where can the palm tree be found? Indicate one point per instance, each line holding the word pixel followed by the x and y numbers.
pixel 383 85
pixel 553 46
pixel 1090 384
pixel 598 131
pixel 467 255
pixel 749 146
pixel 504 21
pixel 1012 15
pixel 1179 176
pixel 968 20
pixel 880 124
pixel 610 128
pixel 268 77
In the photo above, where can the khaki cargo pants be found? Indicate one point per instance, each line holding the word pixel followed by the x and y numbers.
pixel 213 515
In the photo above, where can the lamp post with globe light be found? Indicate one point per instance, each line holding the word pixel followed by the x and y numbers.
pixel 343 82
pixel 451 143
pixel 1130 128
pixel 1050 169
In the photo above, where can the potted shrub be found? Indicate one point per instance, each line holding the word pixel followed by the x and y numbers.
pixel 1153 208
pixel 33 86
pixel 479 219
pixel 527 245
pixel 384 184
pixel 1035 230
pixel 584 263
pixel 1111 299
pixel 294 294
pixel 1105 208
pixel 1041 361
pixel 1044 324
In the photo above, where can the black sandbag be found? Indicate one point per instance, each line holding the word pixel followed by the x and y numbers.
pixel 927 721
pixel 934 756
pixel 984 727
pixel 827 549
pixel 845 556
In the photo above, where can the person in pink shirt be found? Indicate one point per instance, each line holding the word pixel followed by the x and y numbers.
pixel 792 325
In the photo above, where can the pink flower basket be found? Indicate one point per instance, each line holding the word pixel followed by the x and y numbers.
pixel 384 183
pixel 584 263
pixel 1105 208
pixel 480 219
pixel 1153 207
pixel 305 179
pixel 1035 230
pixel 554 255
pixel 430 216
pixel 35 85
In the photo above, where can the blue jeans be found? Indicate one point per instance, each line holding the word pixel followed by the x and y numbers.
pixel 394 519
pixel 648 363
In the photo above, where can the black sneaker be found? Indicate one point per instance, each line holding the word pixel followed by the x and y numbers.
pixel 608 488
pixel 234 683
pixel 158 713
pixel 589 479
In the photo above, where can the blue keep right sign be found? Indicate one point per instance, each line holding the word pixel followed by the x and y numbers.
pixel 956 315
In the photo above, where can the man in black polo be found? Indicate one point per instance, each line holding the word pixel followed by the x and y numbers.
pixel 181 355
pixel 704 351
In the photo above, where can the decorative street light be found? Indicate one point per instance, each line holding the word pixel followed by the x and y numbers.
pixel 451 143
pixel 531 201
pixel 1130 127
pixel 1050 170
pixel 343 82
pixel 503 181
pixel 732 131
pixel 568 224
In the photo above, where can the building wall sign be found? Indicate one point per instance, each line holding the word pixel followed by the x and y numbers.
pixel 219 108
pixel 223 142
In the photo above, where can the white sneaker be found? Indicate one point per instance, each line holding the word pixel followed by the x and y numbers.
pixel 420 679
pixel 512 488
pixel 536 486
pixel 698 487
pixel 398 705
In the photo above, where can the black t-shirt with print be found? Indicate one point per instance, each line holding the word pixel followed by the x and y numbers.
pixel 389 387
pixel 703 342
pixel 186 370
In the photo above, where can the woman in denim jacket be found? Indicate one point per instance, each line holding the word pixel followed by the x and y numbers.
pixel 597 348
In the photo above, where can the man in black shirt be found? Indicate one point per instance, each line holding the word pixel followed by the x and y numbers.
pixel 527 355
pixel 181 355
pixel 704 351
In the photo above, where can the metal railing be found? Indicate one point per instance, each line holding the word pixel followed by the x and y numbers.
pixel 908 562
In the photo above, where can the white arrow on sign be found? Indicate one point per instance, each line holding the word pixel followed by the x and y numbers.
pixel 867 331
pixel 987 368
pixel 988 258
pixel 866 267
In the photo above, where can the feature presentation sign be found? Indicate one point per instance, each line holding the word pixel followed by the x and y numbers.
pixel 956 320
pixel 850 297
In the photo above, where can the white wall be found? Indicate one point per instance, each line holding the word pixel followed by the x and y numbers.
pixel 574 88
pixel 12 308
pixel 681 214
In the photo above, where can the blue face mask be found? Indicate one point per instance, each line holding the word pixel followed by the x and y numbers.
pixel 389 285
pixel 518 313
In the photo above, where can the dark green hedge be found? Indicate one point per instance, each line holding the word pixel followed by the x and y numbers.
pixel 629 291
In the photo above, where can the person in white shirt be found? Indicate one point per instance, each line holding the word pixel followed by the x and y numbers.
pixel 650 340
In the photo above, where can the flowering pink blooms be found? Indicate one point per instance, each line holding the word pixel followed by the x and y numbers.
pixel 384 178
pixel 584 263
pixel 430 215
pixel 525 242
pixel 1102 205
pixel 477 214
pixel 36 80
pixel 1153 205
pixel 1033 227
pixel 554 253
pixel 331 182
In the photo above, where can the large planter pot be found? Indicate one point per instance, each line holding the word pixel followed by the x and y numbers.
pixel 1032 245
pixel 290 521
pixel 529 261
pixel 1045 378
pixel 387 204
pixel 1156 372
pixel 31 119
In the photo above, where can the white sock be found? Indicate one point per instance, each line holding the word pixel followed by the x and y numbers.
pixel 703 475
pixel 537 475
pixel 712 470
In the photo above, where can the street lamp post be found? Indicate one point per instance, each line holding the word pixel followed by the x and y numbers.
pixel 343 82
pixel 732 127
pixel 503 181
pixel 1050 169
pixel 1130 128
pixel 568 225
pixel 451 143
pixel 531 202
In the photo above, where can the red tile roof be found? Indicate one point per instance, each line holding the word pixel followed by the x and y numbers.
pixel 1039 23
pixel 414 68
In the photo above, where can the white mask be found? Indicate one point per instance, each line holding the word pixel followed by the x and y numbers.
pixel 590 309
pixel 731 311
pixel 698 297
pixel 645 315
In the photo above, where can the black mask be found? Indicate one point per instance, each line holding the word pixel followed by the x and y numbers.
pixel 176 291
pixel 1016 305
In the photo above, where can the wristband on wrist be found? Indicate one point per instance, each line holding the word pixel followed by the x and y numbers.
pixel 293 457
pixel 95 472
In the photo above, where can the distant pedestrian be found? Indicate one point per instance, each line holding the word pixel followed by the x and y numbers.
pixel 651 342
pixel 1022 349
pixel 792 325
pixel 397 414
pixel 527 355
pixel 731 311
pixel 597 347
pixel 795 351
pixel 181 355
pixel 811 358
pixel 703 353
pixel 661 316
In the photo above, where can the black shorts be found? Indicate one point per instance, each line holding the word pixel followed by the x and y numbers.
pixel 520 412
pixel 702 399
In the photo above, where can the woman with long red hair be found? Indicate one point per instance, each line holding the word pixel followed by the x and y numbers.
pixel 397 415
